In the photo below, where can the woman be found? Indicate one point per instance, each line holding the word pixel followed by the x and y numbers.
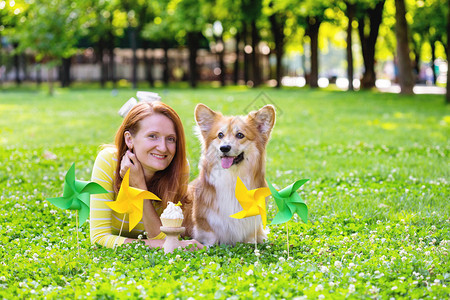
pixel 151 143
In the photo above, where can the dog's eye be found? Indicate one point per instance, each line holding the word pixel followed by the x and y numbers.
pixel 220 135
pixel 240 135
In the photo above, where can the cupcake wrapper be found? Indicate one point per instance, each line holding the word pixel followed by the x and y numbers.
pixel 171 222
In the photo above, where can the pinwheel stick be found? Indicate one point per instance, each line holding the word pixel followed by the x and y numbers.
pixel 78 244
pixel 121 226
pixel 287 238
pixel 256 248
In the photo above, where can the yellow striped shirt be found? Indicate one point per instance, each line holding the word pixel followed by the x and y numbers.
pixel 105 223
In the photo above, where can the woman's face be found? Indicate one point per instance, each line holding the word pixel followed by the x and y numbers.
pixel 155 143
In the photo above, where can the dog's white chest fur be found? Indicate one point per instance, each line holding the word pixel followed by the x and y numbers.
pixel 230 230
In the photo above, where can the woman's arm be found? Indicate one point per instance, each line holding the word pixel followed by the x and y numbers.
pixel 100 213
pixel 150 218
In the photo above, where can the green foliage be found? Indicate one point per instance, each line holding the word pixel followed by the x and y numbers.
pixel 12 17
pixel 161 27
pixel 429 23
pixel 100 18
pixel 378 200
pixel 51 29
pixel 176 18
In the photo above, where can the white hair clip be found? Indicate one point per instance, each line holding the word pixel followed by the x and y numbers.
pixel 143 97
pixel 148 96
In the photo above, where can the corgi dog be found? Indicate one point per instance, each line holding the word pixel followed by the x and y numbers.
pixel 232 146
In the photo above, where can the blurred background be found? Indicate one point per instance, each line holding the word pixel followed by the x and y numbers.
pixel 351 44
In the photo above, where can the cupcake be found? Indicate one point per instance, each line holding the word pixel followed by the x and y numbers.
pixel 172 216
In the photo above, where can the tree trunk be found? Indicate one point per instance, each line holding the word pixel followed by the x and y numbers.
pixel 277 27
pixel 236 62
pixel 350 16
pixel 50 81
pixel 433 59
pixel 368 43
pixel 448 53
pixel 313 32
pixel 148 65
pixel 1 57
pixel 165 46
pixel 100 55
pixel 17 65
pixel 303 60
pixel 416 49
pixel 26 76
pixel 133 43
pixel 416 67
pixel 192 42
pixel 406 78
pixel 65 72
pixel 246 55
pixel 112 64
pixel 38 74
pixel 255 55
pixel 220 54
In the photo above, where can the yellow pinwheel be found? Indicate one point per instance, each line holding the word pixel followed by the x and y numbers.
pixel 253 202
pixel 130 201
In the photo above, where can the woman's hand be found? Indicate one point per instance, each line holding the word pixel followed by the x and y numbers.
pixel 154 243
pixel 149 243
pixel 130 161
pixel 160 243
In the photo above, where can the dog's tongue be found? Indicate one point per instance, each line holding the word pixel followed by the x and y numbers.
pixel 227 161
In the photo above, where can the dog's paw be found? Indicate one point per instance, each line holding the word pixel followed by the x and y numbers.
pixel 262 235
pixel 207 238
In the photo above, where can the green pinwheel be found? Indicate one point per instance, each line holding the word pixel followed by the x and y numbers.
pixel 289 202
pixel 76 195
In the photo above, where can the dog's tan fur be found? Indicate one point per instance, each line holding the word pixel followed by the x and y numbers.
pixel 211 198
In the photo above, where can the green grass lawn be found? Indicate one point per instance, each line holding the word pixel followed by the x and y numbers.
pixel 378 199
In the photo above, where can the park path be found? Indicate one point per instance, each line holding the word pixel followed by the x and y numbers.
pixel 418 89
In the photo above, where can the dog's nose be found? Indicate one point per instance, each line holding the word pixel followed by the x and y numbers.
pixel 225 149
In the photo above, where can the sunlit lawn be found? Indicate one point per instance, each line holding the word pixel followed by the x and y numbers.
pixel 378 198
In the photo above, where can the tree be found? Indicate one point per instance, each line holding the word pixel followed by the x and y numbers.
pixel 101 29
pixel 11 15
pixel 129 8
pixel 429 27
pixel 312 31
pixel 369 15
pixel 220 49
pixel 139 13
pixel 251 12
pixel 191 17
pixel 406 78
pixel 226 20
pixel 229 13
pixel 183 20
pixel 350 10
pixel 278 14
pixel 448 53
pixel 51 31
pixel 214 31
pixel 315 15
pixel 162 31
pixel 146 16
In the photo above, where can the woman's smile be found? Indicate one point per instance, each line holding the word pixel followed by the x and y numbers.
pixel 158 156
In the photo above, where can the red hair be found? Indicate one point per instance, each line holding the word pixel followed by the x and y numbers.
pixel 171 183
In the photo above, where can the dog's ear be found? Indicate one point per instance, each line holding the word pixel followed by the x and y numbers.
pixel 204 116
pixel 264 119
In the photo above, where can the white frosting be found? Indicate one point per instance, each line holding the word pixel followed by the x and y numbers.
pixel 172 212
